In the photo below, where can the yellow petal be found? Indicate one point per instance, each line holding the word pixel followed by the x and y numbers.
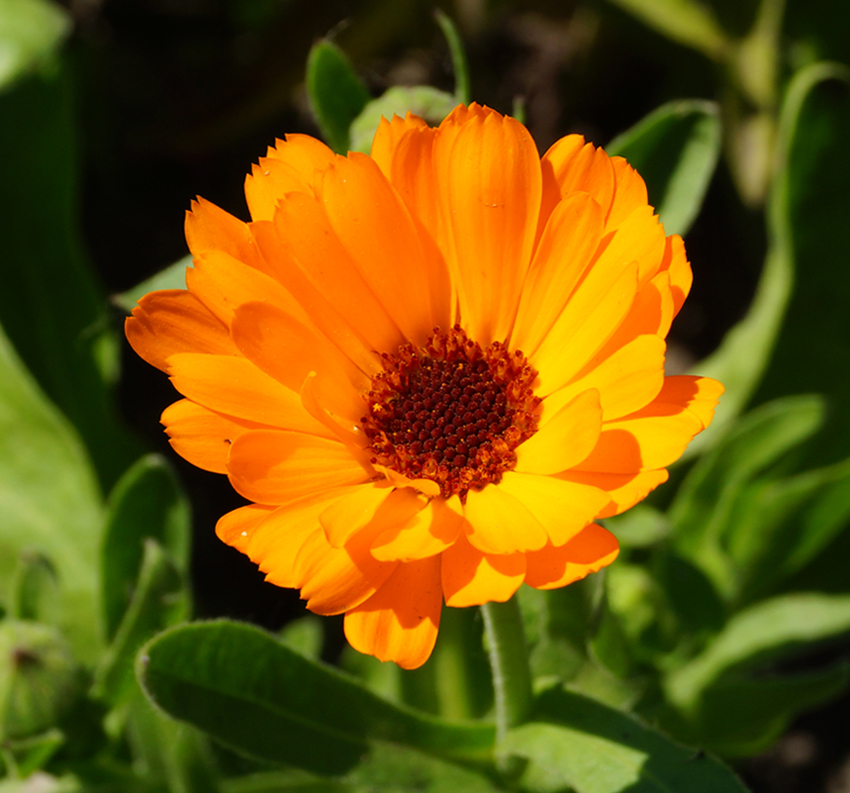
pixel 429 532
pixel 565 439
pixel 375 506
pixel 623 490
pixel 400 621
pixel 500 523
pixel 471 578
pixel 563 508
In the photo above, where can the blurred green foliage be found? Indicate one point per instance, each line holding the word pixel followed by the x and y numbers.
pixel 731 577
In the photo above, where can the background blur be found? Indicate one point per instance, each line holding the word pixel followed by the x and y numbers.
pixel 140 105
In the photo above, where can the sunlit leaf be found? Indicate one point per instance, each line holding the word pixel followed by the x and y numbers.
pixel 31 33
pixel 769 630
pixel 337 96
pixel 146 503
pixel 577 743
pixel 252 693
pixel 49 499
pixel 675 149
pixel 814 335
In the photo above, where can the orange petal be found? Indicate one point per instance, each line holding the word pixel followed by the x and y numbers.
pixel 202 436
pixel 289 166
pixel 273 467
pixel 563 508
pixel 429 532
pixel 289 351
pixel 385 144
pixel 376 230
pixel 223 283
pixel 629 193
pixel 374 506
pixel 173 321
pixel 400 621
pixel 676 263
pixel 209 228
pixel 235 387
pixel 487 170
pixel 564 439
pixel 569 242
pixel 594 312
pixel 500 523
pixel 699 394
pixel 588 552
pixel 651 312
pixel 623 490
pixel 627 379
pixel 312 263
pixel 237 527
pixel 471 578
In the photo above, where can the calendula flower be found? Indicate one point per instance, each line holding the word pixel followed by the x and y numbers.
pixel 429 369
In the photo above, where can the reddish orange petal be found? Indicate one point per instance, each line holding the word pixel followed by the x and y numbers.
pixel 235 387
pixel 202 436
pixel 563 508
pixel 564 439
pixel 471 578
pixel 289 166
pixel 400 621
pixel 488 175
pixel 237 527
pixel 429 532
pixel 273 467
pixel 588 552
pixel 209 228
pixel 499 523
pixel 173 321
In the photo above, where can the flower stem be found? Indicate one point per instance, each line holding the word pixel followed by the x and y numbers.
pixel 509 663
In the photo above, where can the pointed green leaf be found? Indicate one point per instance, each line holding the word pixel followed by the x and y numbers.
pixel 31 33
pixel 252 693
pixel 34 594
pixel 817 336
pixel 463 90
pixel 769 630
pixel 159 600
pixel 337 96
pixel 675 149
pixel 172 277
pixel 575 742
pixel 146 503
pixel 49 499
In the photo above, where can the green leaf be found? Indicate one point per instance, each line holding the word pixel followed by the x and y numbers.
pixel 146 503
pixel 337 96
pixel 814 335
pixel 741 718
pixel 252 693
pixel 578 743
pixel 31 33
pixel 639 527
pixel 675 149
pixel 49 499
pixel 51 307
pixel 685 21
pixel 305 635
pixel 422 100
pixel 34 588
pixel 159 600
pixel 172 277
pixel 705 502
pixel 33 753
pixel 772 629
pixel 463 90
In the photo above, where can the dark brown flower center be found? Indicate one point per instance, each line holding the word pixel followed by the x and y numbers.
pixel 451 411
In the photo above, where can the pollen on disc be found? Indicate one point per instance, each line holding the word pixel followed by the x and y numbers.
pixel 451 411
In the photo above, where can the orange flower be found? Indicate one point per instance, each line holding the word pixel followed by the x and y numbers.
pixel 430 369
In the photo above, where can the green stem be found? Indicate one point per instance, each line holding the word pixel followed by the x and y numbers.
pixel 509 662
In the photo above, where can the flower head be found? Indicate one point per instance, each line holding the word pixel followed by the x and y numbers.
pixel 429 369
